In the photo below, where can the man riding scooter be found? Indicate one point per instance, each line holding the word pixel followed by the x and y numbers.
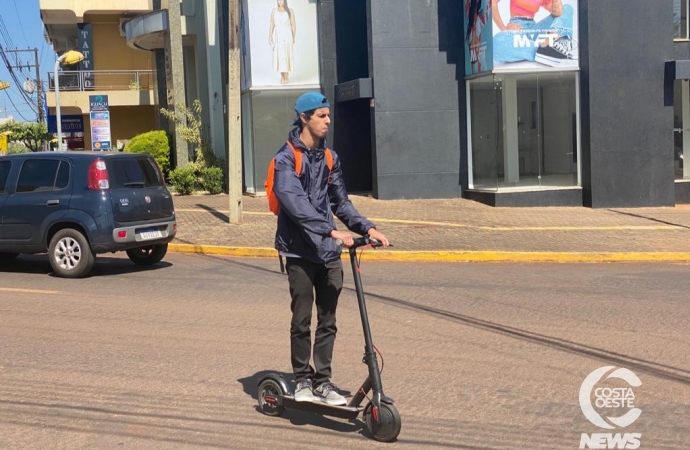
pixel 306 236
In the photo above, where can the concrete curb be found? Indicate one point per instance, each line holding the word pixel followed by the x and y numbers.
pixel 454 256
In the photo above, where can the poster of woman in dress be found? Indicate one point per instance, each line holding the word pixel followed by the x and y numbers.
pixel 283 43
pixel 281 38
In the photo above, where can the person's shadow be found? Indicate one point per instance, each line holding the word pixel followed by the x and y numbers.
pixel 250 385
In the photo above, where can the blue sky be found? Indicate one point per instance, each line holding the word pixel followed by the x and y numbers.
pixel 22 21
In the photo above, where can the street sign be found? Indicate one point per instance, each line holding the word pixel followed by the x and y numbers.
pixel 99 115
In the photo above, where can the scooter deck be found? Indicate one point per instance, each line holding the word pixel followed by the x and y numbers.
pixel 344 412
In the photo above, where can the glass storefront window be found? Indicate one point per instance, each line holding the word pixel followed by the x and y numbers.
pixel 523 131
pixel 485 134
pixel 681 129
pixel 680 19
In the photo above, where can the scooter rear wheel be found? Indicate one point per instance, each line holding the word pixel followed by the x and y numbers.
pixel 272 390
pixel 387 428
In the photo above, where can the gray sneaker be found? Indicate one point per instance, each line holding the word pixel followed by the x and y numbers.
pixel 303 391
pixel 328 394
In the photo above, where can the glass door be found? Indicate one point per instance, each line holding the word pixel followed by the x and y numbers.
pixel 681 129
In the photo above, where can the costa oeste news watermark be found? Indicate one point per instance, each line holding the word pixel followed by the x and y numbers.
pixel 594 395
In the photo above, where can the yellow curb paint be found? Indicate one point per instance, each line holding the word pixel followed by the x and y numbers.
pixel 28 291
pixel 454 256
pixel 562 257
pixel 256 252
pixel 250 213
pixel 599 228
pixel 486 228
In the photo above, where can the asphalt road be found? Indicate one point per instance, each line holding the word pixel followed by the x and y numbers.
pixel 477 356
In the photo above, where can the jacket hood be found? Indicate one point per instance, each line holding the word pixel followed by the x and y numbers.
pixel 296 141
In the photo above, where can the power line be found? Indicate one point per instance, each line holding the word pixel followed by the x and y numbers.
pixel 4 33
pixel 3 55
pixel 15 106
pixel 28 100
pixel 20 23
pixel 26 97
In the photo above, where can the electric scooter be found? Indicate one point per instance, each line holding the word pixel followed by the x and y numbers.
pixel 380 414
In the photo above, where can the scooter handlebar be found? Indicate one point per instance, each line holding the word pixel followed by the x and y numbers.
pixel 362 241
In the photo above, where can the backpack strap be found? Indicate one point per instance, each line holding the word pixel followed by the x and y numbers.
pixel 329 158
pixel 298 158
pixel 329 162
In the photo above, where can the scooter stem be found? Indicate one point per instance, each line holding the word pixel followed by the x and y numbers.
pixel 369 354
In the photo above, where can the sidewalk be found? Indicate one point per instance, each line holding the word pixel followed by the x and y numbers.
pixel 457 230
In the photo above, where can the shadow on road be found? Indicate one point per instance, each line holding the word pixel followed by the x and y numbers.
pixel 652 219
pixel 214 212
pixel 251 384
pixel 104 266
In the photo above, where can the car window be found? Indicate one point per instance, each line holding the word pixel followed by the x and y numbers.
pixel 62 179
pixel 132 173
pixel 37 175
pixel 4 174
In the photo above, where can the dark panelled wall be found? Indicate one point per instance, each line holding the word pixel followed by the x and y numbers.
pixel 417 102
pixel 352 126
pixel 351 39
pixel 627 137
pixel 325 10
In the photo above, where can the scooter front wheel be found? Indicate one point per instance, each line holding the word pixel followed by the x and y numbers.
pixel 388 425
pixel 269 392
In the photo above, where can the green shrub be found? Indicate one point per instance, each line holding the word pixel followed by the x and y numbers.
pixel 156 144
pixel 212 180
pixel 183 180
pixel 17 148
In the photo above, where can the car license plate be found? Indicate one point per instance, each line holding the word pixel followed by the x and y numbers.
pixel 150 234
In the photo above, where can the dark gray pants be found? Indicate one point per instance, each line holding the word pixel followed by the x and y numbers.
pixel 326 280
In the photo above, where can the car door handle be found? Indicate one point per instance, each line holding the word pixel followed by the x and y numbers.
pixel 53 202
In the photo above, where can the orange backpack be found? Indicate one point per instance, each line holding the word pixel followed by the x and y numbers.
pixel 273 204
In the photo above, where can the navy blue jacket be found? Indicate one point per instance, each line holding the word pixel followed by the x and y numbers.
pixel 308 203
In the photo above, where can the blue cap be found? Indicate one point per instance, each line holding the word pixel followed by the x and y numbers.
pixel 309 102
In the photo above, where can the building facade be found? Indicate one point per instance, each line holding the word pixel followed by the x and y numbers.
pixel 503 101
pixel 109 68
pixel 482 112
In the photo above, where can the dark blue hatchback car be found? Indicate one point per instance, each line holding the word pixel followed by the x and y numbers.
pixel 75 205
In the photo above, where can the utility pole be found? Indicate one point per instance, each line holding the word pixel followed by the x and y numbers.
pixel 39 89
pixel 39 86
pixel 174 73
pixel 234 116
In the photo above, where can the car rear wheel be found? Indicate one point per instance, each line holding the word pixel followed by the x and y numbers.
pixel 149 255
pixel 70 254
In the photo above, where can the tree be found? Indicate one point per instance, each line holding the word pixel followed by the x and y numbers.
pixel 32 134
pixel 191 129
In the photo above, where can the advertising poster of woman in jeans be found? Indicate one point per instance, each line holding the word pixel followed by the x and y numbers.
pixel 535 34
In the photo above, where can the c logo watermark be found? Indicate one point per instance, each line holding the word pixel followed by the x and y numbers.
pixel 610 397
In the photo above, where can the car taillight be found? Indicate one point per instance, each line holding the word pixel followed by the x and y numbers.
pixel 98 175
